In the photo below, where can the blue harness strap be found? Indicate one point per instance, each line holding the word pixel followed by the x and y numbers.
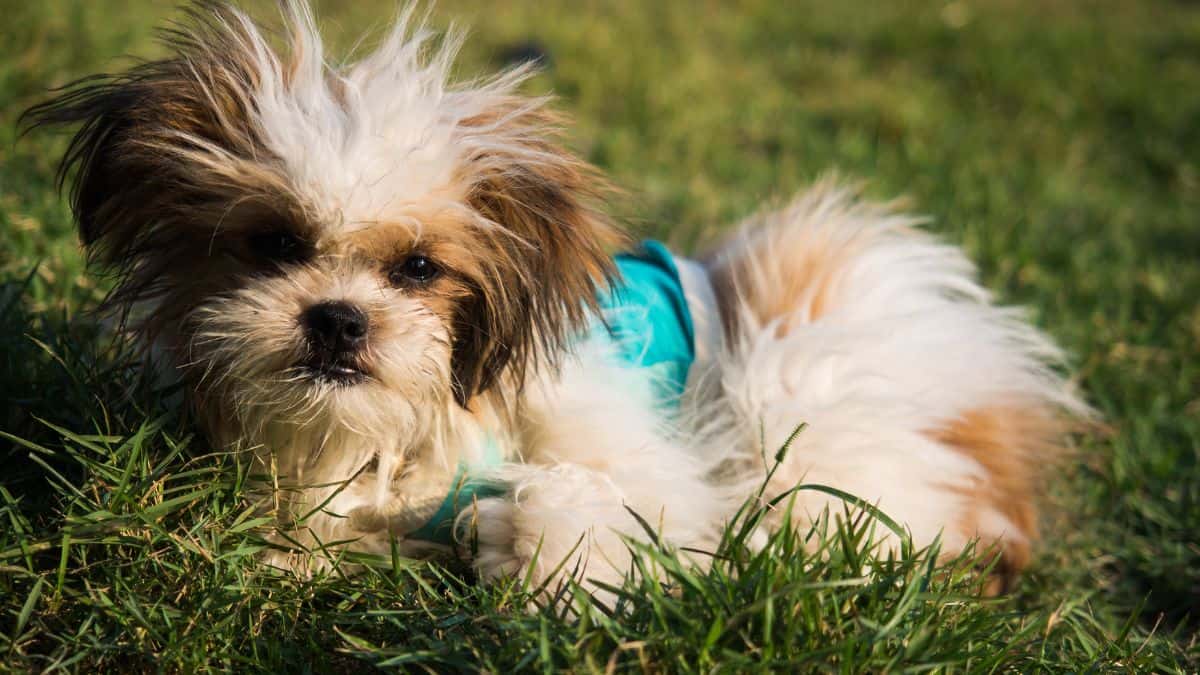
pixel 646 316
pixel 464 490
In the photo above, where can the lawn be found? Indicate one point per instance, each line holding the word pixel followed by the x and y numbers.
pixel 1058 142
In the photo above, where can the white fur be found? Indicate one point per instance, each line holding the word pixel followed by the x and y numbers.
pixel 909 341
pixel 593 448
pixel 362 142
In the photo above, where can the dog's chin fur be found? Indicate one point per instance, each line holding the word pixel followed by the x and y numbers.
pixel 233 187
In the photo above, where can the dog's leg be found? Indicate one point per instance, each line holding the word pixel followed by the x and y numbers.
pixel 594 449
pixel 313 502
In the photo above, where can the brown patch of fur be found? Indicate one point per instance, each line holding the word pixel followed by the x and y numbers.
pixel 147 209
pixel 448 237
pixel 1014 444
pixel 553 254
pixel 801 288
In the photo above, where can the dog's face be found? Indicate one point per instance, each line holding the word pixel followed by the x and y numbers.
pixel 348 247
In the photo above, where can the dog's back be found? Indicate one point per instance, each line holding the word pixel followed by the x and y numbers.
pixel 919 394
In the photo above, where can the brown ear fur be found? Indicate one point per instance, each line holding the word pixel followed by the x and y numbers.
pixel 553 256
pixel 139 190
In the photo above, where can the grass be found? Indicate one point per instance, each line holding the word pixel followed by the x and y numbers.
pixel 1057 143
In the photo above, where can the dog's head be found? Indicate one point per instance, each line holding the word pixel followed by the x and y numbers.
pixel 332 245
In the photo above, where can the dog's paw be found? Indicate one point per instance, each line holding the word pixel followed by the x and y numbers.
pixel 490 539
pixel 303 565
pixel 557 524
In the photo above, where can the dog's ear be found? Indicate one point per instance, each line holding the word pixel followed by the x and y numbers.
pixel 158 147
pixel 549 248
pixel 105 113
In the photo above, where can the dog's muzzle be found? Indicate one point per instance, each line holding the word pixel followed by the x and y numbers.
pixel 337 333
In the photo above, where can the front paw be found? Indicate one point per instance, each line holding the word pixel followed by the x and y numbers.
pixel 489 539
pixel 559 524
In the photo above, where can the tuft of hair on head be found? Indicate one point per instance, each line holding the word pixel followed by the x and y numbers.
pixel 228 128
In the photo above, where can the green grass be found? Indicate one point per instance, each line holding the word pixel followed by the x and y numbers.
pixel 1058 143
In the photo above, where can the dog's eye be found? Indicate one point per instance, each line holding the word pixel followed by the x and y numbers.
pixel 415 268
pixel 278 246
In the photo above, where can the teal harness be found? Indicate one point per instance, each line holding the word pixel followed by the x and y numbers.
pixel 645 315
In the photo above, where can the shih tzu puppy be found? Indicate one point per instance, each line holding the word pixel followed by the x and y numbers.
pixel 401 295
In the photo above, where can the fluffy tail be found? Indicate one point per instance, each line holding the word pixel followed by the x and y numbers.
pixel 919 394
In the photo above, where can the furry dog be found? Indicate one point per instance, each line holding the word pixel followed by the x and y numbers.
pixel 388 288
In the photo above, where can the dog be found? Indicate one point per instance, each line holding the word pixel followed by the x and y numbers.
pixel 402 297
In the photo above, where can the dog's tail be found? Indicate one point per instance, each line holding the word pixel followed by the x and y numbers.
pixel 919 394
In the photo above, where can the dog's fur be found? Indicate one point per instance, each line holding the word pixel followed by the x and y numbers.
pixel 232 186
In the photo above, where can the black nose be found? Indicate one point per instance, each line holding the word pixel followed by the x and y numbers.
pixel 335 326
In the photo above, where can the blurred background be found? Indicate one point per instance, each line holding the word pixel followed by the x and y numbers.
pixel 1058 142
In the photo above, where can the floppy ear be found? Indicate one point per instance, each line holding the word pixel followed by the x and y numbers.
pixel 159 148
pixel 549 251
pixel 106 113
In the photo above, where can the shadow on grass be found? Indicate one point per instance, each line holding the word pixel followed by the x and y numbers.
pixel 65 372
